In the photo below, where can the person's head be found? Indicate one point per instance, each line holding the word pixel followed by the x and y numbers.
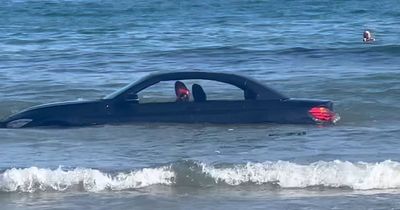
pixel 367 35
pixel 183 94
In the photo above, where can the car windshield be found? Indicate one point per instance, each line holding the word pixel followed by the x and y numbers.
pixel 118 92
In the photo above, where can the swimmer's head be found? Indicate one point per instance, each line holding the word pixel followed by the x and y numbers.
pixel 367 35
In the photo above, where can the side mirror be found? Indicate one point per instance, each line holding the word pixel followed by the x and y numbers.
pixel 132 98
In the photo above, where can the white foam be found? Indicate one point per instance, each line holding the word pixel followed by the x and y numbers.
pixel 362 176
pixel 39 179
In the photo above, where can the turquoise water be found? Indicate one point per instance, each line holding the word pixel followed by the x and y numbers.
pixel 58 50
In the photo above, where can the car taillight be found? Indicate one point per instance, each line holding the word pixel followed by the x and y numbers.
pixel 323 115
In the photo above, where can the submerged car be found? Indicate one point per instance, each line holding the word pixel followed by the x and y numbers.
pixel 260 104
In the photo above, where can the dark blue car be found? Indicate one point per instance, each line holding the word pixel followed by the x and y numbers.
pixel 260 104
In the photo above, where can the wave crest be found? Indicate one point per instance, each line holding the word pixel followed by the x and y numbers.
pixel 38 179
pixel 284 174
pixel 361 176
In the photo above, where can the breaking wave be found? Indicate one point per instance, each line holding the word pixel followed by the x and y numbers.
pixel 361 176
pixel 283 174
pixel 39 179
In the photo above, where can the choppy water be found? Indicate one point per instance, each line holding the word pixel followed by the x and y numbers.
pixel 56 50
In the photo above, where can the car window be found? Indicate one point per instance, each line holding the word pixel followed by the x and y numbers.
pixel 165 91
pixel 218 90
pixel 161 92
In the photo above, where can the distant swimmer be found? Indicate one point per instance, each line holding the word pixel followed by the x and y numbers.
pixel 367 37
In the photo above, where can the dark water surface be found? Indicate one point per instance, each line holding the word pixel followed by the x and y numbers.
pixel 57 50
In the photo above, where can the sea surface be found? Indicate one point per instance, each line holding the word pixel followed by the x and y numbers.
pixel 62 50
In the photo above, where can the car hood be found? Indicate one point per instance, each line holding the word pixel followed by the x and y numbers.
pixel 45 106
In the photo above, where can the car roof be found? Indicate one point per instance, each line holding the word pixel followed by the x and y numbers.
pixel 242 82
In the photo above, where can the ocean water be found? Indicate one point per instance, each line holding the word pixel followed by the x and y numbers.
pixel 58 50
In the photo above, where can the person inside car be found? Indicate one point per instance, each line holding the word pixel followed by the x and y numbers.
pixel 181 91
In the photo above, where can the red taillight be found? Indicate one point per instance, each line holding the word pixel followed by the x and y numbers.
pixel 323 114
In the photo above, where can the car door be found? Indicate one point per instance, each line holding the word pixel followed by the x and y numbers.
pixel 228 111
pixel 223 111
pixel 176 112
